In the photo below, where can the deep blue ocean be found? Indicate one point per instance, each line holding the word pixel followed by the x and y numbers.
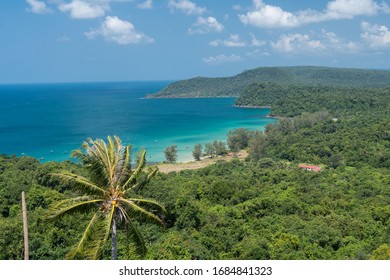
pixel 48 121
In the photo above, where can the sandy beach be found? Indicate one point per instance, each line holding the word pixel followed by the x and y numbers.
pixel 204 162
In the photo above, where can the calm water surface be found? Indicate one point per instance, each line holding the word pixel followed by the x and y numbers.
pixel 48 121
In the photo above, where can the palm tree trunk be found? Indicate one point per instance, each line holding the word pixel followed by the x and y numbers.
pixel 113 235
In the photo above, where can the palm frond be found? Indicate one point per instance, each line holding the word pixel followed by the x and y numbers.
pixel 150 204
pixel 72 205
pixel 94 161
pixel 142 213
pixel 124 165
pixel 111 152
pixel 141 183
pixel 77 154
pixel 104 231
pixel 103 153
pixel 136 172
pixel 79 250
pixel 136 237
pixel 80 182
pixel 121 159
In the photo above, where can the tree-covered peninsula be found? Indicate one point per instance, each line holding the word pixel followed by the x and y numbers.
pixel 295 99
pixel 303 75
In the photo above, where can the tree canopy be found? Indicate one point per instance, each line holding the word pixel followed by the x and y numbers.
pixel 108 191
pixel 265 207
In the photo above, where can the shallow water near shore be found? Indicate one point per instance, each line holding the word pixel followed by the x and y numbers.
pixel 48 121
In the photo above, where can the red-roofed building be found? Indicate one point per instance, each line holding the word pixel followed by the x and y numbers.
pixel 313 168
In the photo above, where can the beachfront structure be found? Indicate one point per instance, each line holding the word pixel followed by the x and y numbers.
pixel 313 168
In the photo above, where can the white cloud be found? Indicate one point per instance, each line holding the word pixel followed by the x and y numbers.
pixel 219 59
pixel 268 16
pixel 148 4
pixel 119 31
pixel 323 43
pixel 336 44
pixel 376 36
pixel 233 41
pixel 257 43
pixel 257 54
pixel 293 43
pixel 206 25
pixel 38 7
pixel 346 9
pixel 84 10
pixel 186 6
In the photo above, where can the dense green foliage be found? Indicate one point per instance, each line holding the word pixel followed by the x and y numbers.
pixel 48 240
pixel 357 141
pixel 269 208
pixel 171 153
pixel 293 100
pixel 216 148
pixel 238 139
pixel 306 75
pixel 263 208
pixel 272 210
pixel 197 151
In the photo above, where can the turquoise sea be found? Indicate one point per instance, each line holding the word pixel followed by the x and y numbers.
pixel 48 121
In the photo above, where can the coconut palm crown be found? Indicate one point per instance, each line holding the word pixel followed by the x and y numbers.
pixel 109 191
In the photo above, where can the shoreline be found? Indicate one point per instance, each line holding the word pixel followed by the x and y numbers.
pixel 252 106
pixel 194 164
pixel 150 96
pixel 268 116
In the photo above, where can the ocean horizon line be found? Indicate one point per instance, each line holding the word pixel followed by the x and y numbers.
pixel 87 82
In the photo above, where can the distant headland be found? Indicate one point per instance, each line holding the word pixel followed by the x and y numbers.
pixel 201 87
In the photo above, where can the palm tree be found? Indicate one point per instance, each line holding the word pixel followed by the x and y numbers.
pixel 107 190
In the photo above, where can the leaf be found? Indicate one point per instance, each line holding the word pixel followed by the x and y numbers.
pixel 136 237
pixel 72 205
pixel 78 250
pixel 102 237
pixel 124 165
pixel 135 209
pixel 80 182
pixel 135 173
pixel 149 203
pixel 140 184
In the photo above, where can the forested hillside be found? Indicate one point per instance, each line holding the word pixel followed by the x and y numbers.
pixel 293 100
pixel 305 75
pixel 263 208
pixel 269 208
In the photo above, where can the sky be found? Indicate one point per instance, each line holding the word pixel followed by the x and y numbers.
pixel 49 41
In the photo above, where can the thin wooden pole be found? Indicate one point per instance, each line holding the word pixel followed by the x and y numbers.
pixel 25 226
pixel 113 235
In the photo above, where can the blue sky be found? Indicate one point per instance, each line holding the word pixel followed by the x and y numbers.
pixel 122 40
